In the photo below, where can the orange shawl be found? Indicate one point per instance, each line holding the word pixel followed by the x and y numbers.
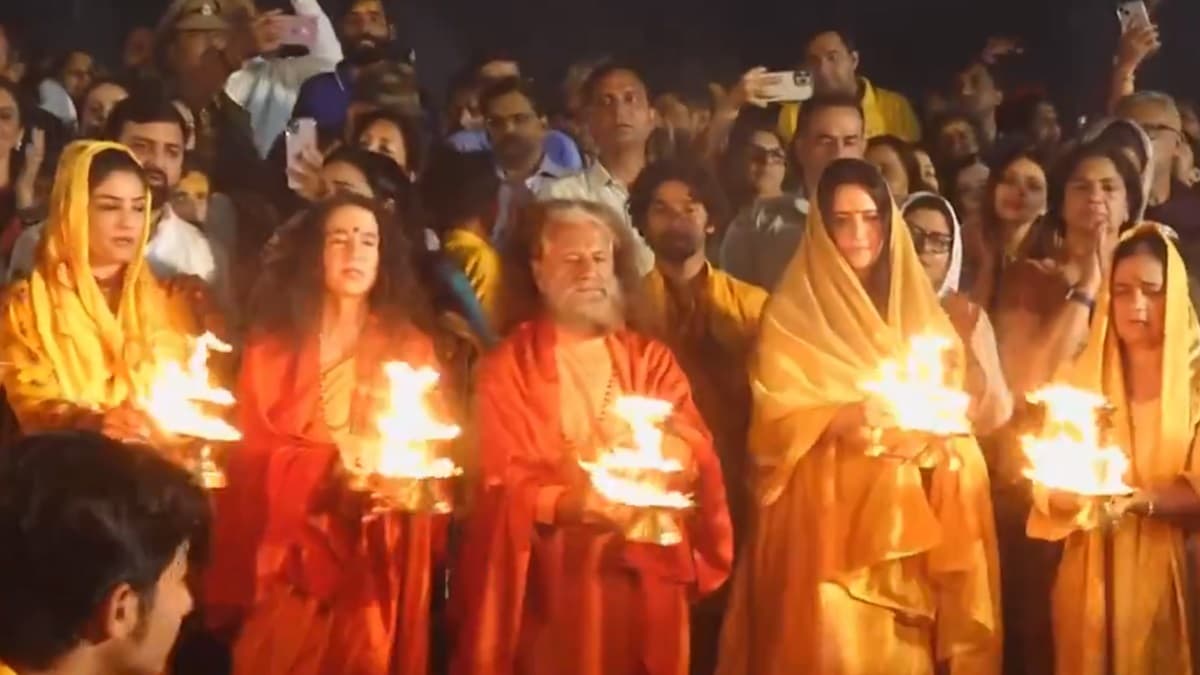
pixel 270 527
pixel 508 569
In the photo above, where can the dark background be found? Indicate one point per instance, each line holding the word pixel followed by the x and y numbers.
pixel 909 45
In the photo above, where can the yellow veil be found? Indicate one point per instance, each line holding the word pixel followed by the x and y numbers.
pixel 821 336
pixel 61 340
pixel 866 524
pixel 1151 548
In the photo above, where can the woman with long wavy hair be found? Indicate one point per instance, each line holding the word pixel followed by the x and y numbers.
pixel 319 586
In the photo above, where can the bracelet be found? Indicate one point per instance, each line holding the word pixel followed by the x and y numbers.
pixel 1076 295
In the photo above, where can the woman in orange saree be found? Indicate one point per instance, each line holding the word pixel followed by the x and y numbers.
pixel 320 585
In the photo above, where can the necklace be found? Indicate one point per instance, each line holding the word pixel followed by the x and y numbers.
pixel 595 417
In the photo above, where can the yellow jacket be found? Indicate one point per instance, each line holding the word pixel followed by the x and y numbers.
pixel 712 328
pixel 65 351
pixel 884 112
pixel 730 309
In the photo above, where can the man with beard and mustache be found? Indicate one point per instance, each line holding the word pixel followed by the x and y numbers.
pixel 153 129
pixel 368 38
pixel 268 83
pixel 517 128
pixel 620 121
pixel 710 321
pixel 548 583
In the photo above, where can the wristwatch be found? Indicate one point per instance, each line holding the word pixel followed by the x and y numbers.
pixel 1076 295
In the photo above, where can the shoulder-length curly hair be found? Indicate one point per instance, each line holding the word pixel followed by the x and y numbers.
pixel 521 293
pixel 287 299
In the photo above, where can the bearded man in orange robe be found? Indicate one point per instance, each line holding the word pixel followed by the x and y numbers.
pixel 547 582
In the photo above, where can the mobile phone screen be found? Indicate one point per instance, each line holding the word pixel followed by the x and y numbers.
pixel 299 30
pixel 1133 14
pixel 301 136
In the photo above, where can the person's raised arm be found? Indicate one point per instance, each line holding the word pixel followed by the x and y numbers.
pixel 715 137
pixel 1135 45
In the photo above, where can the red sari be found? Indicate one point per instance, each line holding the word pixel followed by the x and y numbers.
pixel 533 598
pixel 321 594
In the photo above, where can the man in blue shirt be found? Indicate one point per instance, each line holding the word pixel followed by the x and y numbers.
pixel 558 147
pixel 367 38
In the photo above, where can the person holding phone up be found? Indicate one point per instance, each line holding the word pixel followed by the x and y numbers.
pixel 268 83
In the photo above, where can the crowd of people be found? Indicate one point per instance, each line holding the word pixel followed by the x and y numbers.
pixel 748 261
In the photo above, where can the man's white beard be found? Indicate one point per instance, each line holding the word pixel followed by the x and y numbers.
pixel 598 317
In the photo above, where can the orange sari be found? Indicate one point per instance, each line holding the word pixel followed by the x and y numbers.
pixel 320 595
pixel 535 598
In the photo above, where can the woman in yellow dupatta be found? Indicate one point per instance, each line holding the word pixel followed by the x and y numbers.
pixel 1143 354
pixel 80 337
pixel 856 565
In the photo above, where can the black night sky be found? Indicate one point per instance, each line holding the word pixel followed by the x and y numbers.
pixel 906 44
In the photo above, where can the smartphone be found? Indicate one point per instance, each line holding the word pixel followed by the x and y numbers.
pixel 787 86
pixel 301 136
pixel 1133 14
pixel 297 29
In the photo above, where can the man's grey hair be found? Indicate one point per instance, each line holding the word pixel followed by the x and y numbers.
pixel 1126 105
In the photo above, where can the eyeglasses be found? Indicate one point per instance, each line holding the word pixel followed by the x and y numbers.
pixel 761 155
pixel 931 242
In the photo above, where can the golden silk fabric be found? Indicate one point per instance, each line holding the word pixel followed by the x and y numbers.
pixel 60 336
pixel 1149 562
pixel 852 567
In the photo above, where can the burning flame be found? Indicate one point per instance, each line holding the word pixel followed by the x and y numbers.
pixel 637 476
pixel 914 391
pixel 180 392
pixel 408 428
pixel 1068 455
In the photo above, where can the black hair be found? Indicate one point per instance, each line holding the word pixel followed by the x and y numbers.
pixel 700 183
pixel 859 172
pixel 1066 166
pixel 839 29
pixel 144 107
pixel 107 162
pixel 483 57
pixel 389 184
pixel 351 4
pixel 816 104
pixel 24 109
pixel 601 73
pixel 908 159
pixel 105 81
pixel 59 61
pixel 943 163
pixel 80 515
pixel 287 298
pixel 457 187
pixel 414 144
pixel 511 85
